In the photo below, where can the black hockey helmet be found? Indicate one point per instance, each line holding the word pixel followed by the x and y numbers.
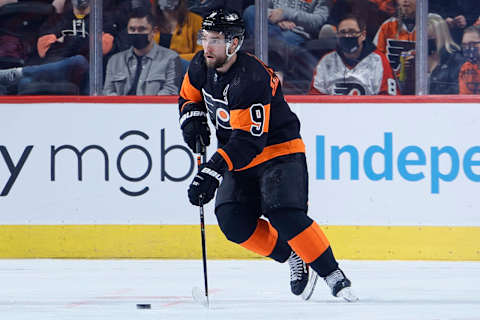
pixel 230 23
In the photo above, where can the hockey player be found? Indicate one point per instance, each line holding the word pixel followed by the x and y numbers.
pixel 260 166
pixel 356 67
pixel 396 37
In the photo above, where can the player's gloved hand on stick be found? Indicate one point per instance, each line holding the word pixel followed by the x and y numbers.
pixel 207 180
pixel 193 122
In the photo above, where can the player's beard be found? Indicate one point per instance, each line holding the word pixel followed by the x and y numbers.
pixel 215 63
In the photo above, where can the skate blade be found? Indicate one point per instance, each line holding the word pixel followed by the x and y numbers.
pixel 310 287
pixel 200 296
pixel 347 295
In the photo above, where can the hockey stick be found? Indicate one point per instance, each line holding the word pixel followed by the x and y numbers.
pixel 198 294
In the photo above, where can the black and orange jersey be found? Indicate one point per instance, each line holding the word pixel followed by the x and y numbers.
pixel 246 106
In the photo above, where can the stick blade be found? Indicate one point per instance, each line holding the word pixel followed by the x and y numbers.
pixel 312 281
pixel 199 296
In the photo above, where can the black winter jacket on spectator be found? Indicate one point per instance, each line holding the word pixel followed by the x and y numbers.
pixel 444 78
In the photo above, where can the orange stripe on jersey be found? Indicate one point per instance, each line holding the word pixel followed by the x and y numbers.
pixel 226 158
pixel 274 81
pixel 189 92
pixel 277 150
pixel 263 239
pixel 310 244
pixel 243 119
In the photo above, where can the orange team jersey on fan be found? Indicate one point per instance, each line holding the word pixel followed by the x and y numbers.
pixel 469 79
pixel 393 40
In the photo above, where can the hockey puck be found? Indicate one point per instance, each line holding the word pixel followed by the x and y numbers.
pixel 144 306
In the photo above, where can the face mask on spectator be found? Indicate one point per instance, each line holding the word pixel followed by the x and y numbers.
pixel 168 4
pixel 471 52
pixel 432 46
pixel 80 4
pixel 348 44
pixel 138 40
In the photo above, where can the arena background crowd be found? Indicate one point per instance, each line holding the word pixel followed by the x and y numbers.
pixel 332 47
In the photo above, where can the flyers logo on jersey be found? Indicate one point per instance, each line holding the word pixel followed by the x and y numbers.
pixel 217 110
pixel 349 89
pixel 395 48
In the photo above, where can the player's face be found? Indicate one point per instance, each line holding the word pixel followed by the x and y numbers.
pixel 214 48
pixel 407 7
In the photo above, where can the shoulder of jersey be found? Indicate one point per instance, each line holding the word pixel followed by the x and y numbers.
pixel 252 68
pixel 327 58
pixel 198 62
pixel 332 55
pixel 390 23
pixel 251 77
pixel 197 70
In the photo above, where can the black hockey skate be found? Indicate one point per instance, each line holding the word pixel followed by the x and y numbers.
pixel 340 286
pixel 302 279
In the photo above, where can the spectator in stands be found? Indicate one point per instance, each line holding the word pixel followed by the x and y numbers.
pixel 70 35
pixel 469 77
pixel 71 70
pixel 396 39
pixel 291 21
pixel 19 23
pixel 119 12
pixel 444 57
pixel 63 47
pixel 367 10
pixel 145 68
pixel 204 7
pixel 356 67
pixel 178 28
pixel 459 14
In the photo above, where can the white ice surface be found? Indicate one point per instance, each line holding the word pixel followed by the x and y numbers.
pixel 240 289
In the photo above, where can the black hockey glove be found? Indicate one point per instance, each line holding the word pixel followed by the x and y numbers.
pixel 207 180
pixel 193 122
